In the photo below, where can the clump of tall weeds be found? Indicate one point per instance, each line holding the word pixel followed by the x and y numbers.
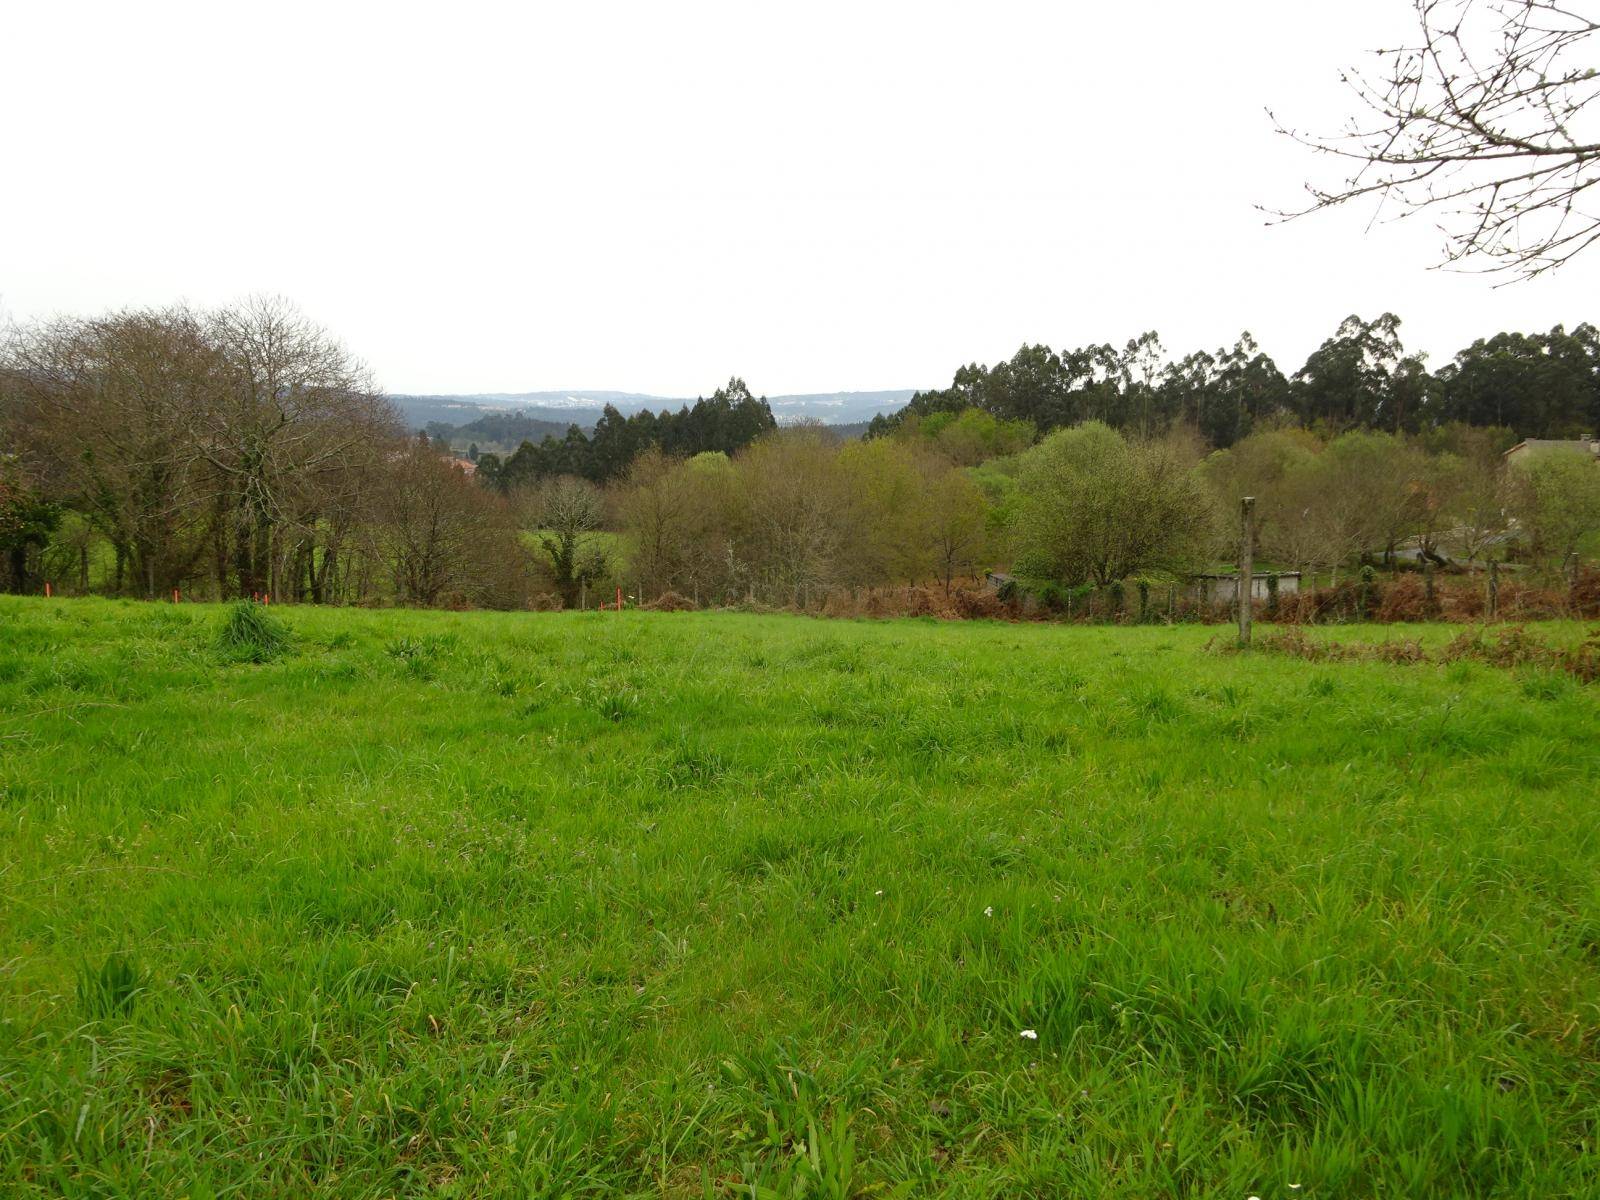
pixel 251 634
pixel 1514 646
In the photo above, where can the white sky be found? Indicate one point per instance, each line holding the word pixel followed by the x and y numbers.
pixel 654 196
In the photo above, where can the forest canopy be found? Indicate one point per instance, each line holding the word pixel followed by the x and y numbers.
pixel 1362 377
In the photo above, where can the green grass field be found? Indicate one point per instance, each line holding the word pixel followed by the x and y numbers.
pixel 717 905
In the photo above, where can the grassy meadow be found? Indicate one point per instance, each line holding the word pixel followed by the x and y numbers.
pixel 700 905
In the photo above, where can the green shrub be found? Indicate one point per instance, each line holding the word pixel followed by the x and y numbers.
pixel 1052 596
pixel 251 634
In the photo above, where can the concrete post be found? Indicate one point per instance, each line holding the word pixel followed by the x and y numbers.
pixel 1247 547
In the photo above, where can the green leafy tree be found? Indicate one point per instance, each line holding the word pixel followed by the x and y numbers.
pixel 1539 385
pixel 1361 377
pixel 1556 495
pixel 957 520
pixel 1092 506
pixel 1363 495
pixel 1260 466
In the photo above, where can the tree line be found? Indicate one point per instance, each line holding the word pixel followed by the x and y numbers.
pixel 1543 385
pixel 243 451
pixel 797 513
pixel 941 498
pixel 730 420
pixel 1445 496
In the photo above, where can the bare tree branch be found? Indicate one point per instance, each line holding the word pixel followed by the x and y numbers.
pixel 1489 120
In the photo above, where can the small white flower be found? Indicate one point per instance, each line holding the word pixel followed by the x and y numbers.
pixel 988 912
pixel 1031 1034
pixel 879 892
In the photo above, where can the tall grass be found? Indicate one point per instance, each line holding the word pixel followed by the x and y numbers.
pixel 250 633
pixel 711 904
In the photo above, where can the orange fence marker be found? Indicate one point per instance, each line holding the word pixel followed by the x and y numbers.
pixel 47 589
pixel 619 599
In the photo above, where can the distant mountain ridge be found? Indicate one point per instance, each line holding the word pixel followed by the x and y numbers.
pixel 583 408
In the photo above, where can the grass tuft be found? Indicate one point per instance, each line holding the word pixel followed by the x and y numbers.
pixel 251 634
pixel 111 990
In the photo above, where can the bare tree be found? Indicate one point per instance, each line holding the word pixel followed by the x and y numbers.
pixel 1488 120
pixel 793 497
pixel 104 406
pixel 295 404
pixel 656 504
pixel 442 538
pixel 1477 505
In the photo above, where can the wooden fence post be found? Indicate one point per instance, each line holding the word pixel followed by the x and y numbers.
pixel 1247 539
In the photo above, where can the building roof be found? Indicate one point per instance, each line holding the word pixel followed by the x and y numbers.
pixel 1535 444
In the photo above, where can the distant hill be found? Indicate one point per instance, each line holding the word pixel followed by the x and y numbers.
pixel 505 431
pixel 850 431
pixel 838 408
pixel 561 409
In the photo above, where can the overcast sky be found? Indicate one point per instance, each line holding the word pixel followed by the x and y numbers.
pixel 654 196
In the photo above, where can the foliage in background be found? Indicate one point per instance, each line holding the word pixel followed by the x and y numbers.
pixel 243 451
pixel 1558 493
